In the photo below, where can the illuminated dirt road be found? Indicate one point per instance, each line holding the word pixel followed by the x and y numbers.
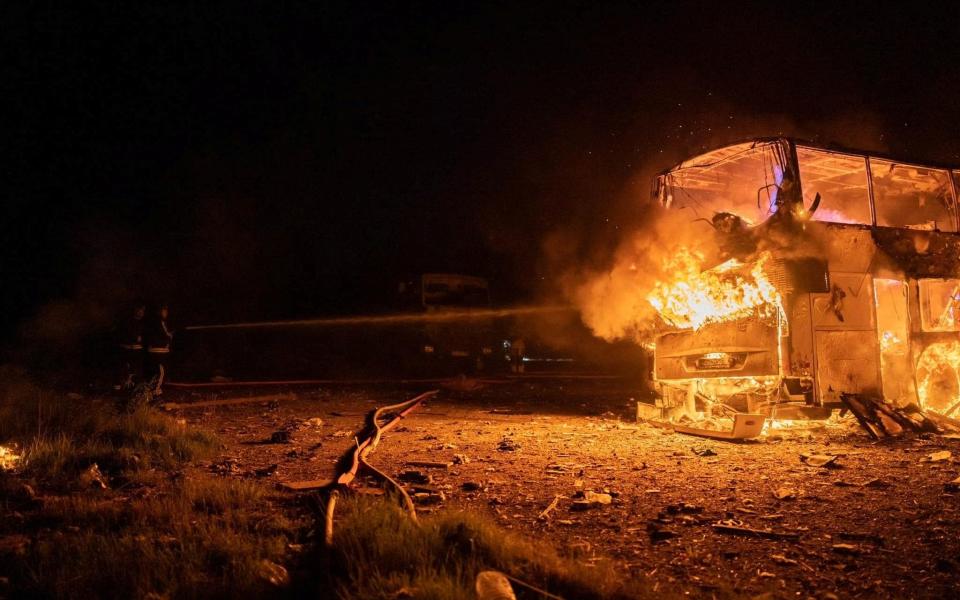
pixel 878 522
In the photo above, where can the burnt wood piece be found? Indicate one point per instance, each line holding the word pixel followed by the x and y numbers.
pixel 880 419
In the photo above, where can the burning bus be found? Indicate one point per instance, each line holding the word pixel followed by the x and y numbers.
pixel 835 272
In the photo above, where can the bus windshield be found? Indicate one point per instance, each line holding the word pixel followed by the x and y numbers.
pixel 743 180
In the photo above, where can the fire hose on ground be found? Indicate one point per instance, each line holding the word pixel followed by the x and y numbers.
pixel 354 459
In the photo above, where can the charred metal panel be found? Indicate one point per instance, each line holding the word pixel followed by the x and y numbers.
pixel 921 253
pixel 846 362
pixel 801 338
pixel 849 248
pixel 742 348
pixel 848 305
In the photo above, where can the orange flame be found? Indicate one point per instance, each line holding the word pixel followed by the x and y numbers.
pixel 8 458
pixel 693 297
pixel 938 377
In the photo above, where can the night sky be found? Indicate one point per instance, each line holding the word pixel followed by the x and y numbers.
pixel 283 160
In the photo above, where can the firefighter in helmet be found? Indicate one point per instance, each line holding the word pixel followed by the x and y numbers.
pixel 130 347
pixel 158 337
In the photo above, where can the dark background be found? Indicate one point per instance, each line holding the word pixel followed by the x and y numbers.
pixel 246 161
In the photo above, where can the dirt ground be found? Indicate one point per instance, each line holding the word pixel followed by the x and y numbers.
pixel 879 521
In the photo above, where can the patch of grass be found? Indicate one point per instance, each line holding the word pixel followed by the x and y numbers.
pixel 118 442
pixel 206 538
pixel 382 551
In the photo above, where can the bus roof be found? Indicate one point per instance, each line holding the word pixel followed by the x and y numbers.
pixel 723 152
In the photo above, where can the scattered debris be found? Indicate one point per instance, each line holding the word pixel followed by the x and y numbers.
pixel 228 466
pixel 937 456
pixel 745 426
pixel 281 437
pixel 737 528
pixel 658 534
pixel 784 493
pixel 429 464
pixel 415 477
pixel 780 559
pixel 861 537
pixel 683 508
pixel 553 504
pixel 266 471
pixel 880 419
pixel 508 445
pixel 428 498
pixel 848 549
pixel 590 500
pixel 93 478
pixel 818 460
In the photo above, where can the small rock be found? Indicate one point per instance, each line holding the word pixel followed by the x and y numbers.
pixel 460 459
pixel 937 456
pixel 818 460
pixel 314 422
pixel 507 445
pixel 704 452
pixel 952 486
pixel 785 494
pixel 471 486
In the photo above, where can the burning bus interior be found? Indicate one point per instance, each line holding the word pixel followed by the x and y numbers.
pixel 817 296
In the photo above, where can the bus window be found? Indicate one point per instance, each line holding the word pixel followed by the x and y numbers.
pixel 914 197
pixel 742 180
pixel 940 304
pixel 841 181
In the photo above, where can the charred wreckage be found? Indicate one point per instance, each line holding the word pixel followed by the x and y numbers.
pixel 835 284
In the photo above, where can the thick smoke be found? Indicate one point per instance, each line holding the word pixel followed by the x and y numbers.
pixel 613 302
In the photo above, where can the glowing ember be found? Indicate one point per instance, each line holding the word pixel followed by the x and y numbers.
pixel 938 378
pixel 695 297
pixel 8 458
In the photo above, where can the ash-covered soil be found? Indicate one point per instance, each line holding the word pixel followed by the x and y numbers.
pixel 879 521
